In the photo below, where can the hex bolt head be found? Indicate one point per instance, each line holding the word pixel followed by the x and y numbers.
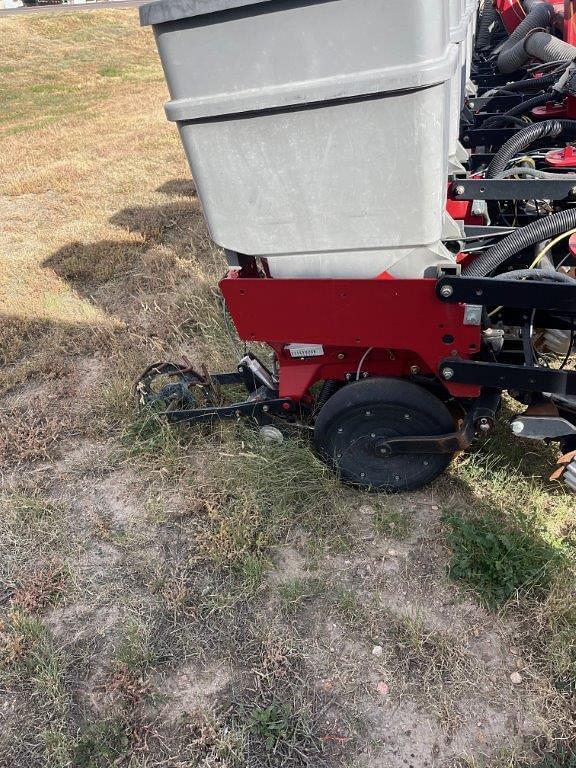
pixel 265 408
pixel 446 291
pixel 340 430
pixel 414 370
pixel 373 435
pixel 447 374
pixel 407 416
pixel 460 189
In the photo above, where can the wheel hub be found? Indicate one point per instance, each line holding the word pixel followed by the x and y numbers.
pixel 353 436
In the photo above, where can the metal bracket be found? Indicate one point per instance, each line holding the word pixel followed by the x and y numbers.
pixel 520 294
pixel 506 377
pixel 247 408
pixel 542 427
pixel 513 189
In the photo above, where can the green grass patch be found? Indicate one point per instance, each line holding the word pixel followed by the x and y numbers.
pixel 102 744
pixel 295 593
pixel 499 558
pixel 110 71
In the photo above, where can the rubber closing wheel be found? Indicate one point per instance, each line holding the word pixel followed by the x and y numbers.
pixel 359 417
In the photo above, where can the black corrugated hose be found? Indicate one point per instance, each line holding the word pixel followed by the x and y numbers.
pixel 523 139
pixel 513 55
pixel 489 16
pixel 535 101
pixel 522 238
pixel 521 109
pixel 536 83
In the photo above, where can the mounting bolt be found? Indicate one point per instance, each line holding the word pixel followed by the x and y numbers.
pixel 240 369
pixel 448 374
pixel 446 291
pixel 407 416
pixel 573 191
pixel 460 189
pixel 365 375
pixel 362 474
pixel 485 425
pixel 414 370
pixel 517 427
pixel 341 355
pixel 340 430
pixel 348 376
pixel 265 408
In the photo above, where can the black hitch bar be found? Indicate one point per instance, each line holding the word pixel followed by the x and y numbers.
pixel 514 189
pixel 276 406
pixel 520 294
pixel 520 378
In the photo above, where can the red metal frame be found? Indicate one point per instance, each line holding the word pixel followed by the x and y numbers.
pixel 511 13
pixel 402 322
pixel 461 210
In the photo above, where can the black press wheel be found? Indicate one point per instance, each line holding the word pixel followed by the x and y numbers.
pixel 354 422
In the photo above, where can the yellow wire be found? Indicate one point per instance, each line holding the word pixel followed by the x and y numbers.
pixel 550 245
pixel 540 256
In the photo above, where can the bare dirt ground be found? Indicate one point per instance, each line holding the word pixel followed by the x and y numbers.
pixel 194 597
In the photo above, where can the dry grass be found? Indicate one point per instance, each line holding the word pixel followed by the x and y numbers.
pixel 137 559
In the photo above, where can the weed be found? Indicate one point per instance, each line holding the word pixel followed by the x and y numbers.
pixel 102 744
pixel 293 594
pixel 273 724
pixel 498 559
pixel 282 714
pixel 348 605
